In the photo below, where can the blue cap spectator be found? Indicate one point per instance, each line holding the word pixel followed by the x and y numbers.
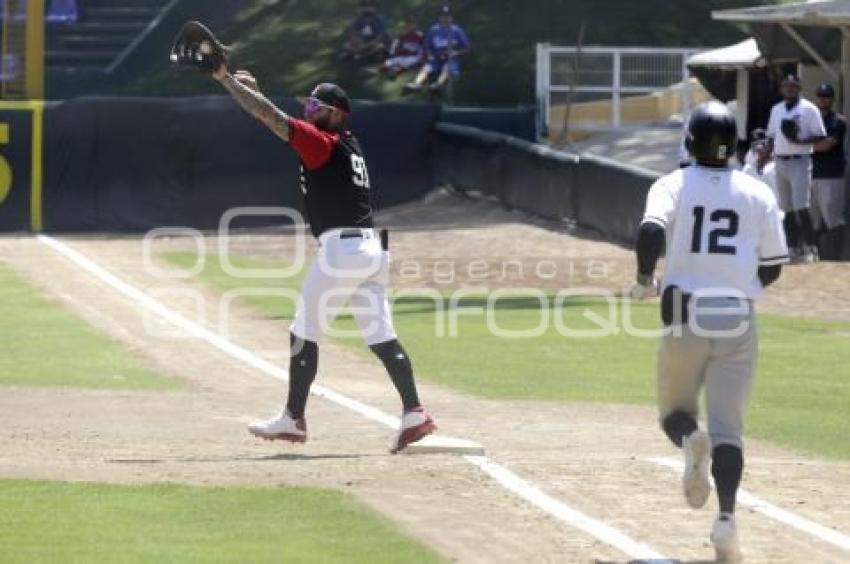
pixel 445 43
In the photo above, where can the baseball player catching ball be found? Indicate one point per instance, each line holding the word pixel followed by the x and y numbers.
pixel 353 261
pixel 724 244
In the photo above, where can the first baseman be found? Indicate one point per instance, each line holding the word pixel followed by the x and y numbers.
pixel 725 243
pixel 353 261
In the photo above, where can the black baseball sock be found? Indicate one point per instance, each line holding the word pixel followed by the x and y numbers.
pixel 303 364
pixel 678 425
pixel 807 230
pixel 398 366
pixel 791 230
pixel 726 467
pixel 835 243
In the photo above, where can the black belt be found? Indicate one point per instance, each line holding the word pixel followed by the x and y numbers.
pixel 358 234
pixel 351 234
pixel 675 304
pixel 791 157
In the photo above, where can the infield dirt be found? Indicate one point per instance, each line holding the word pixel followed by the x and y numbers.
pixel 592 457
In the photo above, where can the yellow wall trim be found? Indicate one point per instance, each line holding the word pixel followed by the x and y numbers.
pixel 35 50
pixel 37 175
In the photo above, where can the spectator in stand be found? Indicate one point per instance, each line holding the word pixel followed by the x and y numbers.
pixel 759 162
pixel 445 44
pixel 406 50
pixel 828 185
pixel 367 36
pixel 62 11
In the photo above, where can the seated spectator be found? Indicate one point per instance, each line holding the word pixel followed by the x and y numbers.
pixel 62 11
pixel 367 36
pixel 758 162
pixel 445 43
pixel 406 50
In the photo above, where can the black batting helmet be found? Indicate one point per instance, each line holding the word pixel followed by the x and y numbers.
pixel 712 133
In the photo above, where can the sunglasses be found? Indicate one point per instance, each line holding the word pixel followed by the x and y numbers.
pixel 313 105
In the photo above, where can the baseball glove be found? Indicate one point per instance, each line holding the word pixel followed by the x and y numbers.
pixel 196 46
pixel 790 129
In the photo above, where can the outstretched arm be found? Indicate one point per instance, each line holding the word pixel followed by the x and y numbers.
pixel 243 88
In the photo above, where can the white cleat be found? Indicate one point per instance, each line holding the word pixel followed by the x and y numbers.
pixel 724 537
pixel 811 254
pixel 415 425
pixel 697 447
pixel 283 427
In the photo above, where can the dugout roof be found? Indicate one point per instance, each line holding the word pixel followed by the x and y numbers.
pixel 815 33
pixel 810 32
pixel 745 54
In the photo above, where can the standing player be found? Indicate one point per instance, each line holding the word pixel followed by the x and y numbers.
pixel 828 190
pixel 758 162
pixel 725 243
pixel 795 126
pixel 352 262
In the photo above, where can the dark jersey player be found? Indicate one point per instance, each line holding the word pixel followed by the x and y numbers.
pixel 351 267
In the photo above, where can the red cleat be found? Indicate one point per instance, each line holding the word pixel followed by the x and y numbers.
pixel 415 424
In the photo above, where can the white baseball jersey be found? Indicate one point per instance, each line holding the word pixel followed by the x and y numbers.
pixel 721 225
pixel 810 123
pixel 767 174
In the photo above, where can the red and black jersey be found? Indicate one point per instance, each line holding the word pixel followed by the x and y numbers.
pixel 334 177
pixel 408 45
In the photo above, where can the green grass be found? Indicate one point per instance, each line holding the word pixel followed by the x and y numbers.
pixel 801 392
pixel 45 345
pixel 214 274
pixel 290 46
pixel 92 523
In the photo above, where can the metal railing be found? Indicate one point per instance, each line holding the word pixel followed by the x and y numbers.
pixel 573 75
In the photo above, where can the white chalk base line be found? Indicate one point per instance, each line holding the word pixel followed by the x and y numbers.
pixel 503 476
pixel 750 501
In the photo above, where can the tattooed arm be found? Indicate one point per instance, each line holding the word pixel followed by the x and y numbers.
pixel 243 87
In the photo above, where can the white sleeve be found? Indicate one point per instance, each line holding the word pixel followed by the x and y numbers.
pixel 773 124
pixel 773 249
pixel 660 204
pixel 816 126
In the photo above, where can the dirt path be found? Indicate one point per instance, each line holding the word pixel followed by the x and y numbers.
pixel 590 456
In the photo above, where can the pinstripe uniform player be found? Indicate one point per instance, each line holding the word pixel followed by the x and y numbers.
pixel 352 263
pixel 725 243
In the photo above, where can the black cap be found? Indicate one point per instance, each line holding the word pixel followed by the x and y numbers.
pixel 712 133
pixel 791 78
pixel 825 91
pixel 333 96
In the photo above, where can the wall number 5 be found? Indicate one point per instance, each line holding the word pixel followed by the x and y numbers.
pixel 5 168
pixel 361 174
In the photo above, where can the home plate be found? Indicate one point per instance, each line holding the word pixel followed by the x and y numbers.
pixel 439 444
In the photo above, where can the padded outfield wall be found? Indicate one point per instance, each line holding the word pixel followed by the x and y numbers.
pixel 124 164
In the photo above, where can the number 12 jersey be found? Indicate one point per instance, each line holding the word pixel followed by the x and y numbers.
pixel 721 225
